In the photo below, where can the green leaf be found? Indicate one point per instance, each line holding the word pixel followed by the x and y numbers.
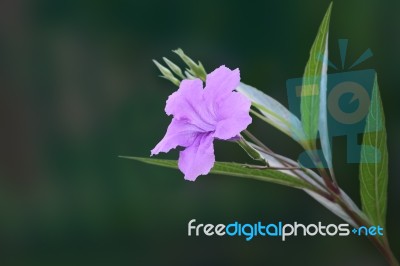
pixel 323 112
pixel 310 96
pixel 274 112
pixel 374 162
pixel 236 169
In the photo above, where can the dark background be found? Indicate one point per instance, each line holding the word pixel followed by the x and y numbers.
pixel 78 88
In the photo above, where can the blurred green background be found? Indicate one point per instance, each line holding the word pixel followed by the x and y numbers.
pixel 78 88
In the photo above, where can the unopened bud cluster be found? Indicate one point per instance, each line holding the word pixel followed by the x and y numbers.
pixel 174 73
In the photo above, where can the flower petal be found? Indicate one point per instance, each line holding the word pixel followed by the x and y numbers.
pixel 220 83
pixel 198 158
pixel 188 103
pixel 179 133
pixel 232 116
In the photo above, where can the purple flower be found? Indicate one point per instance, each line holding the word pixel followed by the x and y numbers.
pixel 202 115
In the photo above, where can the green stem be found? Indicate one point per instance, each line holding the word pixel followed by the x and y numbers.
pixel 333 194
pixel 290 166
pixel 329 182
pixel 334 190
pixel 381 244
pixel 385 249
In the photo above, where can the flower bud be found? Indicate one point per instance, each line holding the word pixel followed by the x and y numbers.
pixel 166 73
pixel 196 70
pixel 253 153
pixel 174 68
pixel 188 75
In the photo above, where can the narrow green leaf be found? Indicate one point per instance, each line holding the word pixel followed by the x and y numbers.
pixel 309 106
pixel 236 169
pixel 275 113
pixel 374 162
pixel 323 112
